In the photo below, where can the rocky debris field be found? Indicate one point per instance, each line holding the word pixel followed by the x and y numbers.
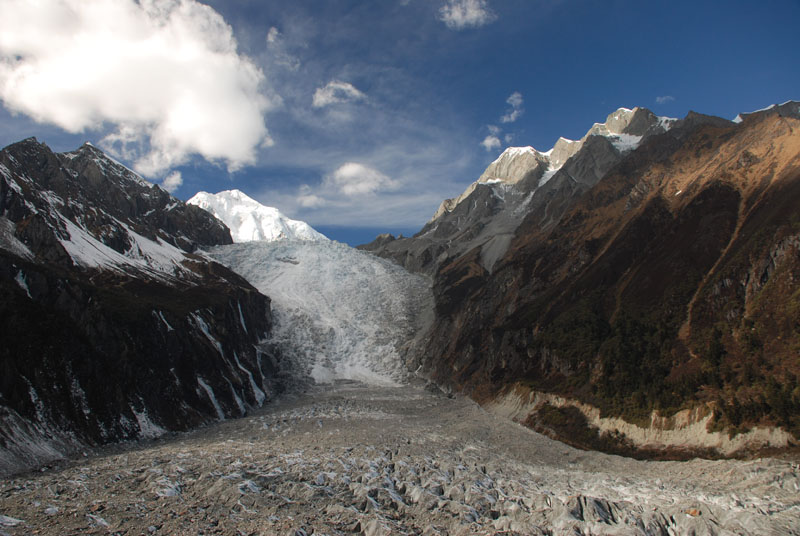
pixel 356 459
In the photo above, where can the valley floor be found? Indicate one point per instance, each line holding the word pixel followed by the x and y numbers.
pixel 352 458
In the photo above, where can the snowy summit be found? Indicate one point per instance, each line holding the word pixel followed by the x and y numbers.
pixel 249 220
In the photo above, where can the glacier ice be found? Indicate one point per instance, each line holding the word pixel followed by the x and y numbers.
pixel 340 313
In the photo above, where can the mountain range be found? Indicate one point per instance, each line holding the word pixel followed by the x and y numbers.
pixel 115 326
pixel 635 291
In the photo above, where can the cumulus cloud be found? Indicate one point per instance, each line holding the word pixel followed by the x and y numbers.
pixel 462 14
pixel 306 198
pixel 515 110
pixel 165 75
pixel 340 195
pixel 353 179
pixel 336 92
pixel 172 181
pixel 491 142
pixel 664 99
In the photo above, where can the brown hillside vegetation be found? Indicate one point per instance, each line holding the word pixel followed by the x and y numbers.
pixel 673 283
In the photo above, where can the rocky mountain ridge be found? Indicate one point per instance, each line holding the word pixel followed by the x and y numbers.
pixel 640 283
pixel 521 180
pixel 115 326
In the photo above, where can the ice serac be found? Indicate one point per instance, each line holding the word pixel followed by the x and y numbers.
pixel 249 220
pixel 646 294
pixel 111 316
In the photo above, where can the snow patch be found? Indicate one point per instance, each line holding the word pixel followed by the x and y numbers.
pixel 214 402
pixel 237 398
pixel 9 241
pixel 257 392
pixel 23 283
pixel 202 326
pixel 147 428
pixel 158 259
pixel 241 316
pixel 667 122
pixel 160 315
pixel 625 142
pixel 770 107
pixel 547 176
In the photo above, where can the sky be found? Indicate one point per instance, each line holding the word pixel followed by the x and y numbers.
pixel 360 117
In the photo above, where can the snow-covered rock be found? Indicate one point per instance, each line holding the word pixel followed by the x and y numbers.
pixel 624 128
pixel 249 220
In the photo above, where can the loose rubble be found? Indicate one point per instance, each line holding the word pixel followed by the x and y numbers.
pixel 356 459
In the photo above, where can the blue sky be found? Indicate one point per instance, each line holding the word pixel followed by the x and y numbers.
pixel 360 117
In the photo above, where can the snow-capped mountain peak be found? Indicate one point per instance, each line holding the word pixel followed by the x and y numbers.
pixel 250 221
pixel 624 128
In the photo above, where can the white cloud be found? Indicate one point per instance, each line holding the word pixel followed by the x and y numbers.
pixel 278 54
pixel 494 130
pixel 353 179
pixel 165 74
pixel 336 92
pixel 462 14
pixel 172 181
pixel 664 99
pixel 515 101
pixel 307 199
pixel 491 142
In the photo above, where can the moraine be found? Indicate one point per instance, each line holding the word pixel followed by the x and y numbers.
pixel 384 454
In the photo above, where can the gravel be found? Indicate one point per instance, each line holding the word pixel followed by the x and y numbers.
pixel 356 459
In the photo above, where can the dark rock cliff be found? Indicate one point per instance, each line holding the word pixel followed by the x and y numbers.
pixel 113 327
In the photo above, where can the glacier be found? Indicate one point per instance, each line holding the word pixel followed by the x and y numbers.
pixel 339 313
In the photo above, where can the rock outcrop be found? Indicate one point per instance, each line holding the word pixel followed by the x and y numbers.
pixel 114 326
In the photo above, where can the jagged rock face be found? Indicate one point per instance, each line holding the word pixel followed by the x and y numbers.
pixel 521 181
pixel 113 329
pixel 81 184
pixel 659 279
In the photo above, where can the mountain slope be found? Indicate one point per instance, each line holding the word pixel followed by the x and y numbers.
pixel 114 327
pixel 520 181
pixel 667 287
pixel 249 220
